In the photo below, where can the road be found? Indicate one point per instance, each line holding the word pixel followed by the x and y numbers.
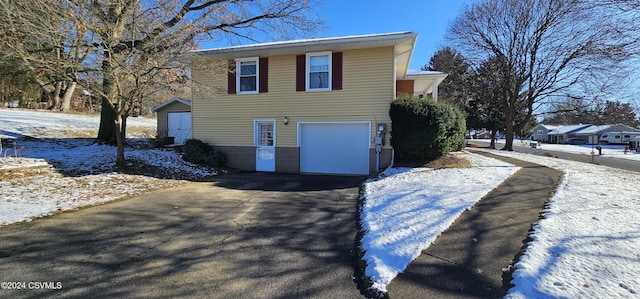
pixel 605 160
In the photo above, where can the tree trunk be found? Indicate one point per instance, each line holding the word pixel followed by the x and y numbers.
pixel 509 117
pixel 107 131
pixel 66 99
pixel 46 95
pixel 492 145
pixel 124 128
pixel 120 160
pixel 89 103
pixel 508 134
pixel 55 105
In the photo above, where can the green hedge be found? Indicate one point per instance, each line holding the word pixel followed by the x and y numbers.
pixel 196 151
pixel 424 130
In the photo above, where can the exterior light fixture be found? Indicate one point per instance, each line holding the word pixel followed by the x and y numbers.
pixel 285 120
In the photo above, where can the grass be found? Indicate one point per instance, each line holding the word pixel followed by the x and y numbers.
pixel 449 161
pixel 141 132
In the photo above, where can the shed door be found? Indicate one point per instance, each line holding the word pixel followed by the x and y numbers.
pixel 334 148
pixel 179 126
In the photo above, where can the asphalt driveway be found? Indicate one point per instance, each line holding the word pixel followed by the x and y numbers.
pixel 249 235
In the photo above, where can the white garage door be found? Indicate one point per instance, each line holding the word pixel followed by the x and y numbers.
pixel 336 148
pixel 179 126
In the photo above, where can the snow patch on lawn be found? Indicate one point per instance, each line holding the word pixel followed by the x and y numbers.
pixel 588 244
pixel 612 151
pixel 405 209
pixel 53 166
pixel 48 124
pixel 33 193
pixel 8 163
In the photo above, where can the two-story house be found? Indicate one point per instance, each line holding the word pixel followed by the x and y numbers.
pixel 305 106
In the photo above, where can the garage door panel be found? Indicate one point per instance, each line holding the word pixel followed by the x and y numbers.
pixel 340 148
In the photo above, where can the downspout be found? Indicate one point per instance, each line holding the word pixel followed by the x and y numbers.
pixel 393 155
pixel 378 150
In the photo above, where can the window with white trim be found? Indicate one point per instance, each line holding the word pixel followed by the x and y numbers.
pixel 318 75
pixel 247 75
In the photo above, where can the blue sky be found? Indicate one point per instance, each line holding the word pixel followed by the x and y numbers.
pixel 428 18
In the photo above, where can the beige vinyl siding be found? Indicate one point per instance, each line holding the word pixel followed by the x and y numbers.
pixel 163 125
pixel 227 120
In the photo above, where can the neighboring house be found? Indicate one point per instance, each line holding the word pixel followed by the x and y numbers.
pixel 562 133
pixel 305 106
pixel 174 120
pixel 592 133
pixel 541 132
pixel 589 133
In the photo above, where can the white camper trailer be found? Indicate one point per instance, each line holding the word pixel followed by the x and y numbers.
pixel 618 137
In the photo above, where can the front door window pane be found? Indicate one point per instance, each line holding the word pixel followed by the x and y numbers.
pixel 265 137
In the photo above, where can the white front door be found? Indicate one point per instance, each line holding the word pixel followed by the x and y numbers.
pixel 265 140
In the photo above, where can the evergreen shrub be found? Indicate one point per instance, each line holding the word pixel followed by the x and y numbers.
pixel 424 130
pixel 199 152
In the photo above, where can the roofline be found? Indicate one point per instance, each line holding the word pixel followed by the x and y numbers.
pixel 582 127
pixel 311 42
pixel 169 102
pixel 412 75
pixel 403 44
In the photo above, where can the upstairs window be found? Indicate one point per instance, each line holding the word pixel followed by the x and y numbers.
pixel 318 71
pixel 247 75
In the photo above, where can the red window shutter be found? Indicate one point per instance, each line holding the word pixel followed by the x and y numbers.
pixel 231 77
pixel 336 71
pixel 301 69
pixel 263 73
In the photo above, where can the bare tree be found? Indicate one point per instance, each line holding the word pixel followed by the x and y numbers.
pixel 37 35
pixel 574 111
pixel 545 48
pixel 620 113
pixel 130 44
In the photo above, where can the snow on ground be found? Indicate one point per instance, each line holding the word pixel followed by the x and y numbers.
pixel 55 166
pixel 588 244
pixel 406 209
pixel 37 192
pixel 608 151
pixel 46 124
